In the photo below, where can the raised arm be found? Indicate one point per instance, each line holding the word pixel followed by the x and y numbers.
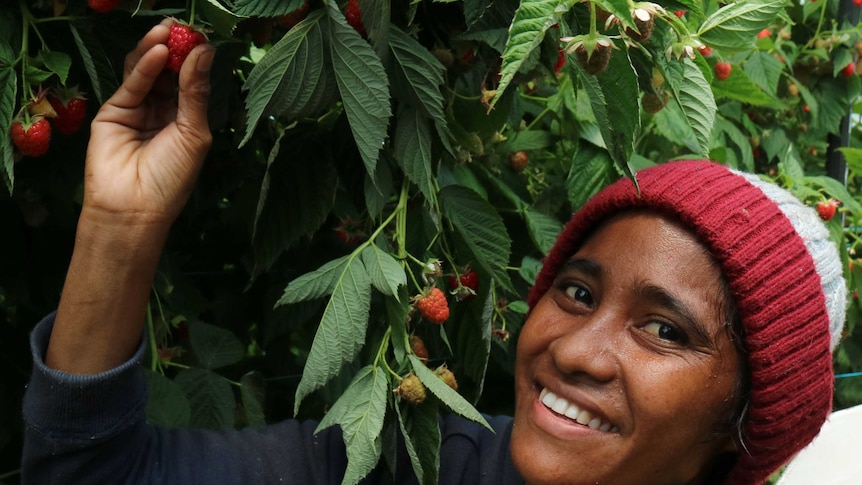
pixel 147 144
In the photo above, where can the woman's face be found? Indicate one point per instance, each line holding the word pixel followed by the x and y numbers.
pixel 625 368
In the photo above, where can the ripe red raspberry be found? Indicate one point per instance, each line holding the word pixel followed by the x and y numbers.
pixel 33 138
pixel 764 33
pixel 849 70
pixel 468 282
pixel 353 14
pixel 181 40
pixel 103 6
pixel 722 70
pixel 826 209
pixel 705 51
pixel 679 13
pixel 412 389
pixel 71 110
pixel 434 306
pixel 289 20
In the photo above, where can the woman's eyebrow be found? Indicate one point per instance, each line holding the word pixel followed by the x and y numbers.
pixel 667 300
pixel 587 266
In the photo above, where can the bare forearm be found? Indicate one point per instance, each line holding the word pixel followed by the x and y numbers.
pixel 101 314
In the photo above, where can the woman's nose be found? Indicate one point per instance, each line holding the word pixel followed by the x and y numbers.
pixel 589 346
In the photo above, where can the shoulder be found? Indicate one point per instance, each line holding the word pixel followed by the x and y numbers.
pixel 472 453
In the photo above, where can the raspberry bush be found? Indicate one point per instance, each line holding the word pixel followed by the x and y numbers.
pixel 363 152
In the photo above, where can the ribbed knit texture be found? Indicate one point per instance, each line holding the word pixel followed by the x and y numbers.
pixel 773 278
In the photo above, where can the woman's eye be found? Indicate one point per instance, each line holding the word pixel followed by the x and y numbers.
pixel 666 332
pixel 580 294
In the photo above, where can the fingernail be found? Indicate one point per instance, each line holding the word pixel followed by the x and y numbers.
pixel 205 60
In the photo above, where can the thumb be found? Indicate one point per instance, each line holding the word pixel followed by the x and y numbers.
pixel 194 90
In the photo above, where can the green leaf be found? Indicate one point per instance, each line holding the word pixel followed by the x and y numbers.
pixel 529 140
pixel 221 19
pixel 341 333
pixel 622 9
pixel 363 85
pixel 475 9
pixel 8 94
pixel 421 433
pixel 214 346
pixel 481 228
pixel 397 314
pixel 34 75
pixel 58 63
pixel 96 62
pixel 253 395
pixel 416 75
pixel 210 396
pixel 265 8
pixel 472 342
pixel 532 19
pixel 694 96
pixel 740 140
pixel 740 87
pixel 543 229
pixel 592 169
pixel 296 196
pixel 412 149
pixel 383 270
pixel 765 70
pixel 316 284
pixel 360 412
pixel 529 270
pixel 293 79
pixel 613 96
pixel 449 397
pixel 734 27
pixel 167 404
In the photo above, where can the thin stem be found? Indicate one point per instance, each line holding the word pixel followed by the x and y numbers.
pixel 10 474
pixel 538 118
pixel 151 335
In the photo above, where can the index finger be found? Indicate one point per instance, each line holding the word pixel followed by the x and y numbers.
pixel 157 35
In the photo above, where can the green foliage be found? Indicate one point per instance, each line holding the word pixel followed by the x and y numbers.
pixel 350 175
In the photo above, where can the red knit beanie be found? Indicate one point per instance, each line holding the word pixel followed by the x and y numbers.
pixel 784 273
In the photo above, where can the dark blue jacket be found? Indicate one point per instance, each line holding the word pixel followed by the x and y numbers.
pixel 93 430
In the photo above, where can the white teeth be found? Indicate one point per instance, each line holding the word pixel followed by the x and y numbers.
pixel 584 418
pixel 561 406
pixel 572 411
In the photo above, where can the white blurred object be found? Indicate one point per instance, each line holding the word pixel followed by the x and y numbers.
pixel 834 457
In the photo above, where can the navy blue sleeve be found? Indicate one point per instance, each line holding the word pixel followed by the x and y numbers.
pixel 92 429
pixel 472 454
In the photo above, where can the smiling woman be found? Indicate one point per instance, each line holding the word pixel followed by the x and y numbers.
pixel 675 332
pixel 678 334
pixel 631 359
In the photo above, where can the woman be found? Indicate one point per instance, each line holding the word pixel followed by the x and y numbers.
pixel 680 335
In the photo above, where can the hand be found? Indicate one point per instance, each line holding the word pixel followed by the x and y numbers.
pixel 148 141
pixel 146 148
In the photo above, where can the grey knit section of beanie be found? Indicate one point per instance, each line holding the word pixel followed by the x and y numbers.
pixel 813 232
